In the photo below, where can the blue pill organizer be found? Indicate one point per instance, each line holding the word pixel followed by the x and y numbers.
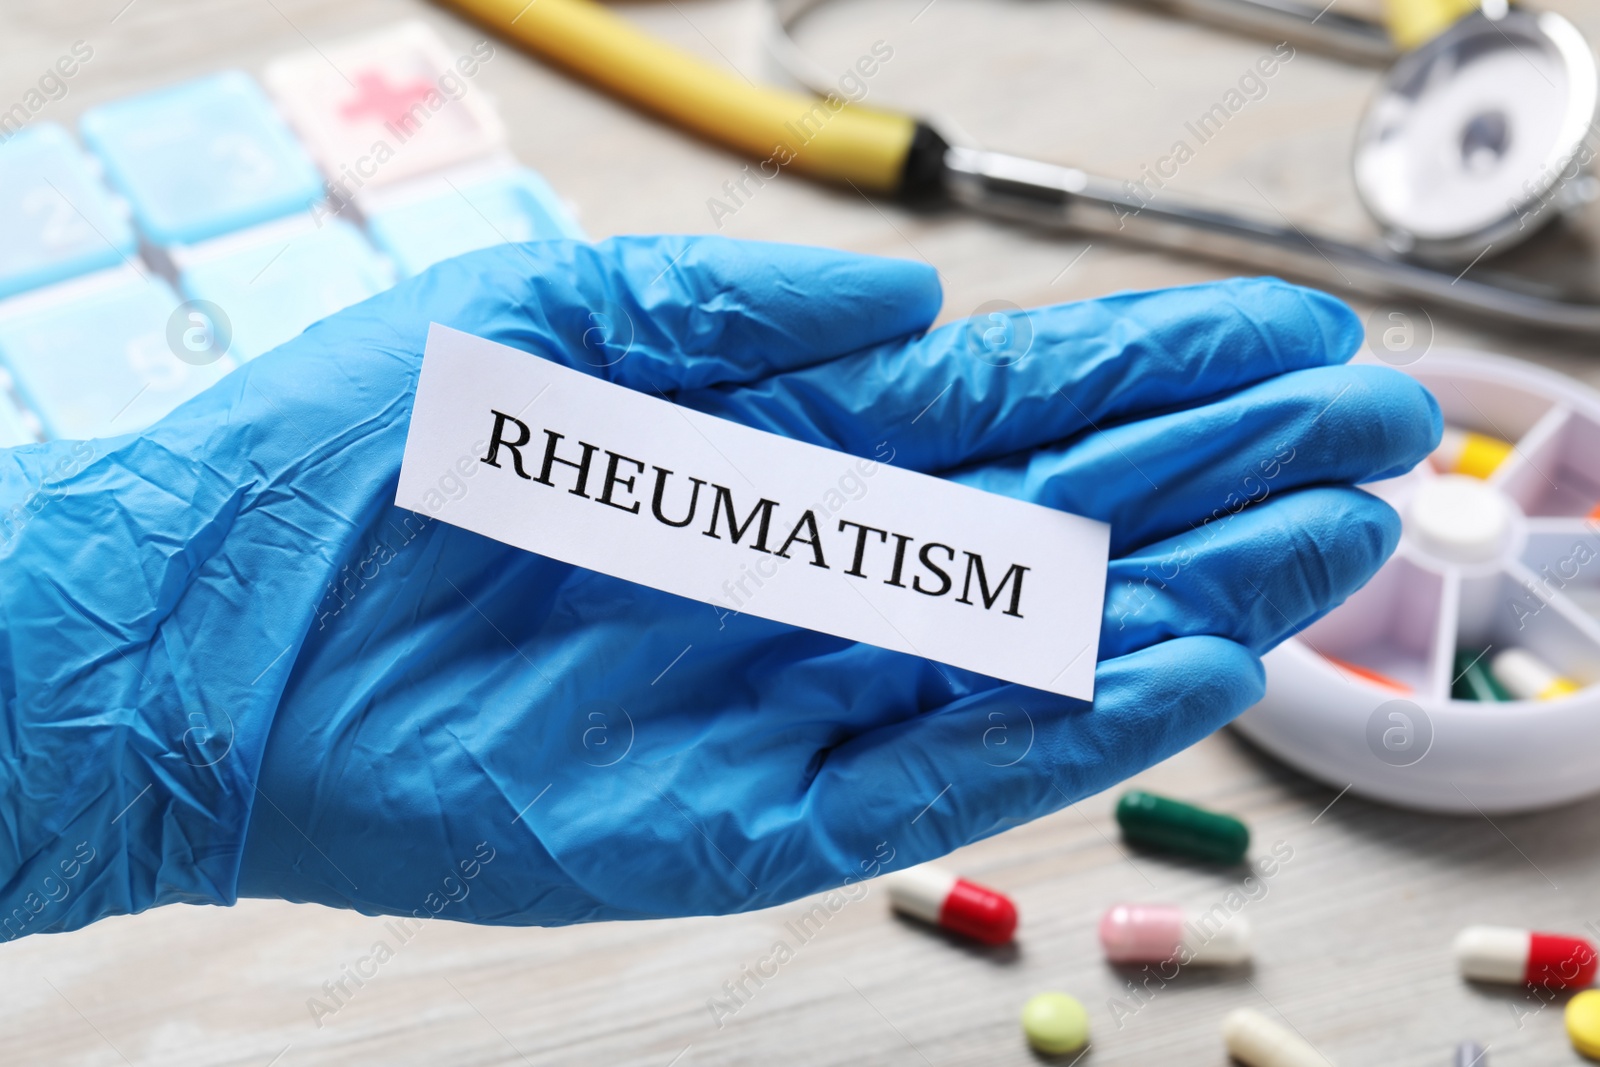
pixel 201 191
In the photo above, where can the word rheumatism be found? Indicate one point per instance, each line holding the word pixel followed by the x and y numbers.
pixel 619 486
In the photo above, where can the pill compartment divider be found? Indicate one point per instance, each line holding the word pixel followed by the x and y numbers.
pixel 1555 472
pixel 1512 610
pixel 1392 625
pixel 1559 477
pixel 1564 556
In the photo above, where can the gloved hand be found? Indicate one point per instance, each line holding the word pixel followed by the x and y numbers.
pixel 232 667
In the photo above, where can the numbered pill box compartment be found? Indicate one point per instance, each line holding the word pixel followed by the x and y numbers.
pixel 429 220
pixel 59 219
pixel 92 357
pixel 201 158
pixel 1464 676
pixel 264 286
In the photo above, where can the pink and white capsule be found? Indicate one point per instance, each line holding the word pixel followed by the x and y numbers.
pixel 1155 933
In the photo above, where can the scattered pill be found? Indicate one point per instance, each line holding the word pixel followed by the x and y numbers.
pixel 964 907
pixel 1155 933
pixel 1256 1041
pixel 1468 452
pixel 1158 822
pixel 1368 673
pixel 1517 957
pixel 1055 1023
pixel 1527 677
pixel 1583 1023
pixel 1594 513
pixel 1471 1054
pixel 1474 681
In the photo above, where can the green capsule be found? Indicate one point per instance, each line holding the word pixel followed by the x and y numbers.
pixel 1474 680
pixel 1157 822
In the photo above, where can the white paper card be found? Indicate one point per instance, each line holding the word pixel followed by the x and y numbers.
pixel 600 476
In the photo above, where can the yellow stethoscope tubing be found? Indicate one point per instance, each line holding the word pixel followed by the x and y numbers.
pixel 825 138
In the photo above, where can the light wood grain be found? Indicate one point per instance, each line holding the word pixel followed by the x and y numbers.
pixel 1353 933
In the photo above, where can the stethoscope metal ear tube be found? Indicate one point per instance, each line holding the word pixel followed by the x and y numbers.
pixel 1043 194
pixel 1319 28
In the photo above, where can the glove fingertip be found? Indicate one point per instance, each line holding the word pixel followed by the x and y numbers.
pixel 906 292
pixel 1238 672
pixel 1331 321
pixel 817 301
pixel 1202 670
pixel 1384 522
pixel 1403 411
pixel 1342 331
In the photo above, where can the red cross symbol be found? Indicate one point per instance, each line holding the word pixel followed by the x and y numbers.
pixel 383 101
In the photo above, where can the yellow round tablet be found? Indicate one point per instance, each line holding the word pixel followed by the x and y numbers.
pixel 1583 1022
pixel 1055 1023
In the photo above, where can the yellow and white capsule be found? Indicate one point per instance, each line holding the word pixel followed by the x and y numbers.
pixel 1527 677
pixel 1469 452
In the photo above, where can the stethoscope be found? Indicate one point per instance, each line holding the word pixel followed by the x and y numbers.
pixel 1475 142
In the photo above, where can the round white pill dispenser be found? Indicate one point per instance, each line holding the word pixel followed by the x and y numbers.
pixel 1363 698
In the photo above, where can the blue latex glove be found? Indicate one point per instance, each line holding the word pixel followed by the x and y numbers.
pixel 232 667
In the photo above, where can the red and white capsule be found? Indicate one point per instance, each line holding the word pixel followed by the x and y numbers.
pixel 962 907
pixel 1156 933
pixel 1519 957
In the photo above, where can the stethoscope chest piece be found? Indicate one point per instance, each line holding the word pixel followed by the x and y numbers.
pixel 1476 139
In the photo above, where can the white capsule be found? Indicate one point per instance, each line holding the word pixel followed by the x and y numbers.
pixel 1256 1041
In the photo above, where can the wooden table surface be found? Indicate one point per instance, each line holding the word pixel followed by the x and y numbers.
pixel 1353 932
